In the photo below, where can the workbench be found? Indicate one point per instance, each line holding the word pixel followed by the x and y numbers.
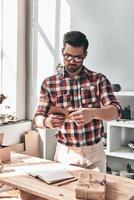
pixel 15 174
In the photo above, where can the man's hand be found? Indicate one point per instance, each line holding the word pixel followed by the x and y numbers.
pixel 55 120
pixel 82 116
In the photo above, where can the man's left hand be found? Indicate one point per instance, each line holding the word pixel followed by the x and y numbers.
pixel 82 116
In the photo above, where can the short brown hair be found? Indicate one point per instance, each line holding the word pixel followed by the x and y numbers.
pixel 76 39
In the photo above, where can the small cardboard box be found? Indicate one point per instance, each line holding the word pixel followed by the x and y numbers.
pixel 31 140
pixel 91 185
pixel 18 148
pixel 4 150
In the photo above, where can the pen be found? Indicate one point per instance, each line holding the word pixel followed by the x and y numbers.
pixel 67 181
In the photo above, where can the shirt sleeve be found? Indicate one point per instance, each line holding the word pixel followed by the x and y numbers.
pixel 44 101
pixel 107 96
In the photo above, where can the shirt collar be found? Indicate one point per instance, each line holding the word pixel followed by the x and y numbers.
pixel 67 75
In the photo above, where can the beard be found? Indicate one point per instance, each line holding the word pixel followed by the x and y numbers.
pixel 72 68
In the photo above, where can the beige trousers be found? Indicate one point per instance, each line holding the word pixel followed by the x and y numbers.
pixel 90 157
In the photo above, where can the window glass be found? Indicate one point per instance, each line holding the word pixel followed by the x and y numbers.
pixel 8 60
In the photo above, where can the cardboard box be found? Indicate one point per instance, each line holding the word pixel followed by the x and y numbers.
pixel 91 185
pixel 4 150
pixel 18 148
pixel 29 147
pixel 31 140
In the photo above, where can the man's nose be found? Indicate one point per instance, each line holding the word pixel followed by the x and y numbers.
pixel 72 61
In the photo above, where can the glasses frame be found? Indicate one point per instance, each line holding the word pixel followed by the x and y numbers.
pixel 73 58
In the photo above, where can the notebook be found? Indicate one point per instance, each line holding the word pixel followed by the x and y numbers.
pixel 51 176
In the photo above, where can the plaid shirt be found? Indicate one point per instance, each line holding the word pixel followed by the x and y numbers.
pixel 88 90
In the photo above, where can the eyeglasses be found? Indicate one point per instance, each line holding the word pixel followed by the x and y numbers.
pixel 68 57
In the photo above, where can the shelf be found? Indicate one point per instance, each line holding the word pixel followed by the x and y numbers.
pixel 122 123
pixel 15 122
pixel 123 152
pixel 125 94
pixel 121 131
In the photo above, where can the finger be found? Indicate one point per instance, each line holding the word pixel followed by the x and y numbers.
pixel 56 125
pixel 56 120
pixel 79 117
pixel 77 113
pixel 55 116
pixel 79 122
pixel 58 116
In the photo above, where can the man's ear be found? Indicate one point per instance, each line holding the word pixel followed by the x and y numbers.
pixel 86 54
pixel 63 50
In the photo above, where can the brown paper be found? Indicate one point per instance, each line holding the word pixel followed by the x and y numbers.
pixel 1 138
pixel 91 186
pixel 4 150
pixel 32 143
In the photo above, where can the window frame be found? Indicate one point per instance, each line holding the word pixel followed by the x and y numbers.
pixel 20 77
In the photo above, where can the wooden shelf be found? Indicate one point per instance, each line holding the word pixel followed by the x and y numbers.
pixel 120 132
pixel 122 123
pixel 123 152
pixel 125 93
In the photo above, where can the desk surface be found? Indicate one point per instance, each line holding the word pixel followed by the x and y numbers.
pixel 15 174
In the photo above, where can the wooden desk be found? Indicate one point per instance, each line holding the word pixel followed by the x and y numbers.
pixel 15 174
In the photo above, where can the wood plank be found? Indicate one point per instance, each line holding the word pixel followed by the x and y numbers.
pixel 38 188
pixel 115 189
pixel 10 194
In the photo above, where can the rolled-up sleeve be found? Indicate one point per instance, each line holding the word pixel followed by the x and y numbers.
pixel 107 96
pixel 44 101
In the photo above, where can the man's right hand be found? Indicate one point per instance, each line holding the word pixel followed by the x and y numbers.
pixel 54 120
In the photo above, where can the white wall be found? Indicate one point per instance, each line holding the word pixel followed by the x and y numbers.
pixel 47 143
pixel 13 132
pixel 109 27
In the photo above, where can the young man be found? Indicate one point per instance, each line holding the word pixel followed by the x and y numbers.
pixel 89 95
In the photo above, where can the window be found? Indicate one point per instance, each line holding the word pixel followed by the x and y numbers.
pixel 0 45
pixel 9 54
pixel 12 59
pixel 51 27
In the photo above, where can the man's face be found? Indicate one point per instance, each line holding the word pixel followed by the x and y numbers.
pixel 73 57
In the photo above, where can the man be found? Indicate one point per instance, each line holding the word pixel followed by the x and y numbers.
pixel 89 95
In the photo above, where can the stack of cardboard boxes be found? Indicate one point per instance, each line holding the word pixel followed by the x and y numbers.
pixel 30 146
